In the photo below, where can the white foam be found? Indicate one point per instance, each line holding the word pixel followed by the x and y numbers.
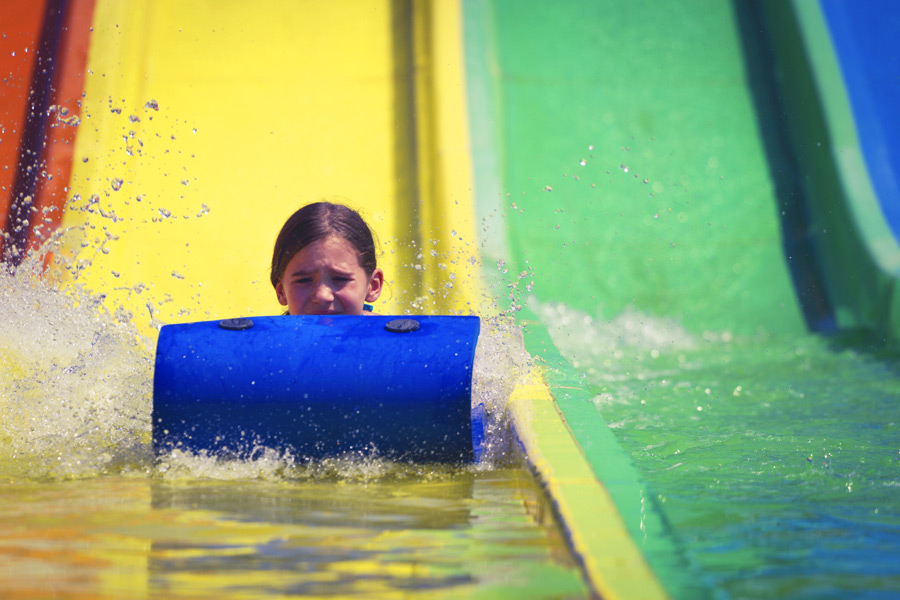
pixel 605 347
pixel 501 362
pixel 75 383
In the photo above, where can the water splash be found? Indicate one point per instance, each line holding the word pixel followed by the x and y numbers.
pixel 606 348
pixel 76 396
pixel 75 383
pixel 268 464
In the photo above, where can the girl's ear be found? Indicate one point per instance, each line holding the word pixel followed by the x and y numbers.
pixel 376 283
pixel 279 291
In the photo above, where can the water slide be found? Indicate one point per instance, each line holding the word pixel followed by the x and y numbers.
pixel 610 162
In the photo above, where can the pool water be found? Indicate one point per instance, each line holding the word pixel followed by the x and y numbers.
pixel 414 533
pixel 86 510
pixel 776 460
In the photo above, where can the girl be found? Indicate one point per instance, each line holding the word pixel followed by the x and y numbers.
pixel 324 262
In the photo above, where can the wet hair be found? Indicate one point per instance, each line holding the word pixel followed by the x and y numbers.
pixel 316 222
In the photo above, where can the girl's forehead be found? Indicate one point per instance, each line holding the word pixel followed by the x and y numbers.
pixel 332 249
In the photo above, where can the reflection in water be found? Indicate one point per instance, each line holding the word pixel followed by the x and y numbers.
pixel 456 533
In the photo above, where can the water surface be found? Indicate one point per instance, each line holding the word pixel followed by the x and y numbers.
pixel 775 459
pixel 420 533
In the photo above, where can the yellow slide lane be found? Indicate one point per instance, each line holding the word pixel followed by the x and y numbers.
pixel 207 123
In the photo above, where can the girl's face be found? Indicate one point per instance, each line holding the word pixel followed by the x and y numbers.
pixel 325 278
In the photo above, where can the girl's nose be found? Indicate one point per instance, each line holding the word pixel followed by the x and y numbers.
pixel 323 294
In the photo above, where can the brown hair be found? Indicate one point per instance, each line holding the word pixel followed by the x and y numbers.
pixel 316 222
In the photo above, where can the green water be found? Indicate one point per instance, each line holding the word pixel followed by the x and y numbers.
pixel 775 460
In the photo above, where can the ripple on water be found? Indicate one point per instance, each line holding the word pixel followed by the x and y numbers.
pixel 774 459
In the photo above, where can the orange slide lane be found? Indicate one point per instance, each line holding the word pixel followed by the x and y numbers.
pixel 42 59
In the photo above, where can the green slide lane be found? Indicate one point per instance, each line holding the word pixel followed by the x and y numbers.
pixel 633 170
pixel 626 164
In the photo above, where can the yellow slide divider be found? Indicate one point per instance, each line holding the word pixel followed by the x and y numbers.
pixel 207 123
pixel 614 565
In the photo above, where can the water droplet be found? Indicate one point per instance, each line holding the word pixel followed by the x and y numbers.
pixel 583 162
pixel 194 130
pixel 165 213
pixel 85 159
pixel 152 104
pixel 177 275
pixel 624 167
pixel 185 182
pixel 548 188
pixel 117 184
pixel 72 121
pixel 591 147
pixel 134 118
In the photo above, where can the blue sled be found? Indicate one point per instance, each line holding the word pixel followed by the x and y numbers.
pixel 318 386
